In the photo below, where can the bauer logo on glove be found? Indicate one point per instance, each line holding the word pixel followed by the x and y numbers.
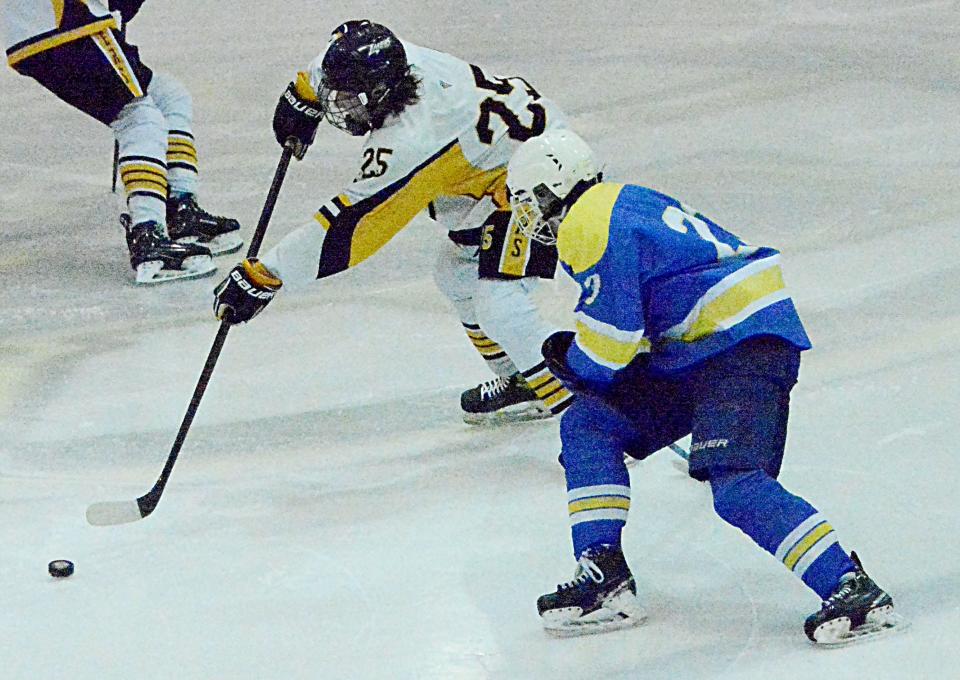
pixel 245 292
pixel 297 116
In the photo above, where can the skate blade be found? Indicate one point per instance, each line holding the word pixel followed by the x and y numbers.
pixel 152 272
pixel 608 622
pixel 506 415
pixel 621 610
pixel 880 623
pixel 223 244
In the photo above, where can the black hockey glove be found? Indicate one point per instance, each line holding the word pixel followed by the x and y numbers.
pixel 297 116
pixel 245 292
pixel 554 350
pixel 127 8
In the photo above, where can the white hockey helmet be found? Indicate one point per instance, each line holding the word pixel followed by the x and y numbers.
pixel 545 176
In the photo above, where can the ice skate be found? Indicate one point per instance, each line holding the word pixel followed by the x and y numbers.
pixel 187 222
pixel 601 597
pixel 502 400
pixel 157 259
pixel 857 610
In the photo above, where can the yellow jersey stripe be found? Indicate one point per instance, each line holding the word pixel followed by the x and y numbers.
pixel 57 10
pixel 584 232
pixel 354 235
pixel 742 296
pixel 516 252
pixel 608 351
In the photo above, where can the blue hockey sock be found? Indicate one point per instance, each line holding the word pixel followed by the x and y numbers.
pixel 784 525
pixel 598 485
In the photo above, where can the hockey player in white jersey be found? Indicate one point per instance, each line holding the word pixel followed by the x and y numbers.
pixel 77 50
pixel 439 133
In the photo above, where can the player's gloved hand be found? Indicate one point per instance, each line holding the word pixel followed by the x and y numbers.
pixel 554 350
pixel 127 8
pixel 297 116
pixel 245 292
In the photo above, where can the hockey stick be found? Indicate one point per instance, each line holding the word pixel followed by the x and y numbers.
pixel 680 451
pixel 119 512
pixel 116 164
pixel 116 142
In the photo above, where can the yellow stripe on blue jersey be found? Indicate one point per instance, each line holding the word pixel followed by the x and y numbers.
pixel 516 252
pixel 58 11
pixel 582 241
pixel 608 345
pixel 658 277
pixel 733 299
pixel 600 502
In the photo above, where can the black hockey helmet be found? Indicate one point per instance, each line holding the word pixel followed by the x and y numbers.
pixel 363 65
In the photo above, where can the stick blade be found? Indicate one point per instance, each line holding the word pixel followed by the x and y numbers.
pixel 109 513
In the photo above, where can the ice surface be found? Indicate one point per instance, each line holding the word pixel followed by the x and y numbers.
pixel 330 516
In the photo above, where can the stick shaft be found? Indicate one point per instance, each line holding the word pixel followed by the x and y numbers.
pixel 149 501
pixel 116 165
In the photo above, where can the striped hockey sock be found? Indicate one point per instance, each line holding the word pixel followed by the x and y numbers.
pixel 550 390
pixel 490 350
pixel 784 525
pixel 182 162
pixel 145 183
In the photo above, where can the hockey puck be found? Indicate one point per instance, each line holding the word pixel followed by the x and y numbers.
pixel 60 568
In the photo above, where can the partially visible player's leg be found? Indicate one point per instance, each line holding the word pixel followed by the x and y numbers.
pixel 455 274
pixel 507 396
pixel 506 310
pixel 186 220
pixel 602 594
pixel 739 431
pixel 508 267
pixel 102 76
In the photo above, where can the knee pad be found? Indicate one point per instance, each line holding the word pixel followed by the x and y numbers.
pixel 455 273
pixel 141 129
pixel 174 101
pixel 506 312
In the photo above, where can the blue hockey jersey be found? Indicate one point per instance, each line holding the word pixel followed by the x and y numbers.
pixel 657 277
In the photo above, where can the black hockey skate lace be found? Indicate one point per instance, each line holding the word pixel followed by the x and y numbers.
pixel 586 568
pixel 492 388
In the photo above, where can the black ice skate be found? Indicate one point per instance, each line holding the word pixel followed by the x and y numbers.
pixel 157 259
pixel 601 597
pixel 187 222
pixel 858 609
pixel 502 400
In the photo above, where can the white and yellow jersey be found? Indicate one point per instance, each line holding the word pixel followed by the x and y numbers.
pixel 454 142
pixel 34 26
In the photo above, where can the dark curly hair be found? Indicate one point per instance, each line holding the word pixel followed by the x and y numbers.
pixel 405 93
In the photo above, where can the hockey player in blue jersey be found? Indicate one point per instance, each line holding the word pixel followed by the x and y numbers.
pixel 681 328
